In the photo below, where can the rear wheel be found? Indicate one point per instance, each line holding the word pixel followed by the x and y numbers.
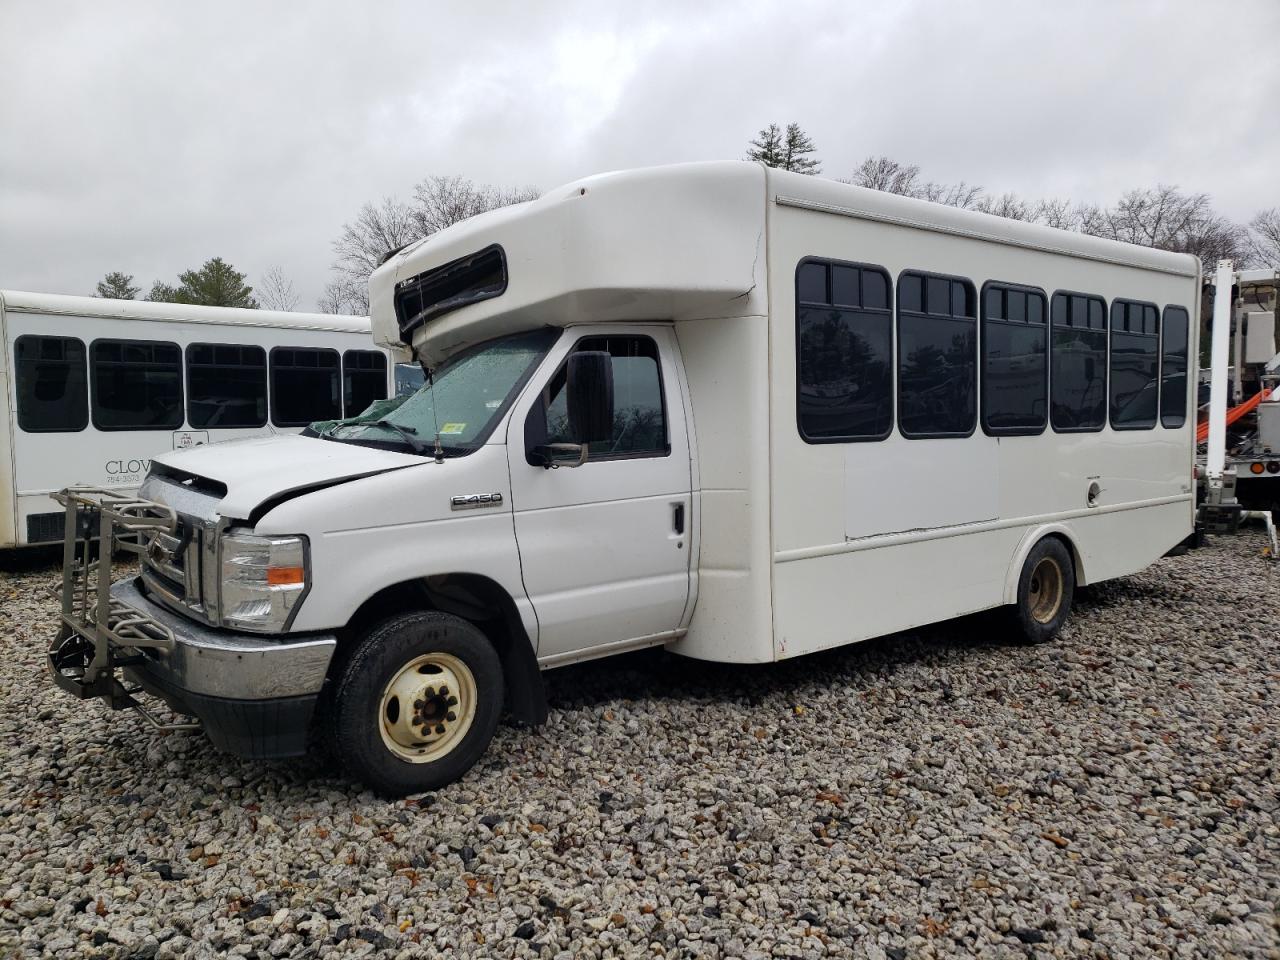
pixel 1045 591
pixel 417 703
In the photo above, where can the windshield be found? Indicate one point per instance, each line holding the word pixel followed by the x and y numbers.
pixel 471 392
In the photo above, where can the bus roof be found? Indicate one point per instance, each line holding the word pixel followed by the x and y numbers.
pixel 671 242
pixel 58 304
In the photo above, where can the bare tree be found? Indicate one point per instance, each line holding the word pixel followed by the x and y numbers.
pixel 883 173
pixel 441 202
pixel 387 226
pixel 275 291
pixel 1165 218
pixel 1264 237
pixel 1007 205
pixel 1057 213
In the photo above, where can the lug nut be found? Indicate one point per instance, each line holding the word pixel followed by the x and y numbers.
pixel 451 716
pixel 440 728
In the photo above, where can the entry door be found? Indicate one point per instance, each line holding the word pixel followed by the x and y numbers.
pixel 604 548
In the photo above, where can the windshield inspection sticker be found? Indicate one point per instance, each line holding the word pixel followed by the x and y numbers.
pixel 453 428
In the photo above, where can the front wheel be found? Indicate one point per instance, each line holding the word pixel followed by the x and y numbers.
pixel 417 703
pixel 1045 590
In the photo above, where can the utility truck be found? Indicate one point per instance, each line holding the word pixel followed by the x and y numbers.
pixel 736 412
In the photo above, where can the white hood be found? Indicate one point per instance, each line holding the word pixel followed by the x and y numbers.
pixel 261 469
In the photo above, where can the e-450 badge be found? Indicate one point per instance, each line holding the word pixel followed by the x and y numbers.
pixel 476 501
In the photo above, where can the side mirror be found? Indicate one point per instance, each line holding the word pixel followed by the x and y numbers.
pixel 589 396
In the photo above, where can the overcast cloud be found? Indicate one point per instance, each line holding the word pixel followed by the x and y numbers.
pixel 149 137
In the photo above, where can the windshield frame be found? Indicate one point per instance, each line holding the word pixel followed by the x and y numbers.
pixel 548 337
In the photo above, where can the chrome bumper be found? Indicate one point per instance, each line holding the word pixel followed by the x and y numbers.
pixel 232 666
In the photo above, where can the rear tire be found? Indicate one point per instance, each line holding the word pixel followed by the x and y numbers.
pixel 417 703
pixel 1046 588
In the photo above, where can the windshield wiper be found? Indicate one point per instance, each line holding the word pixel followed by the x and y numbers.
pixel 409 434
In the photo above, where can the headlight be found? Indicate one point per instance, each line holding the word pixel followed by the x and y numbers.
pixel 263 578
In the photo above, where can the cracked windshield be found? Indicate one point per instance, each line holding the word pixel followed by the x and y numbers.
pixel 470 391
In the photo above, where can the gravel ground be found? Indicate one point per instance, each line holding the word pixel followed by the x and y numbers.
pixel 1113 794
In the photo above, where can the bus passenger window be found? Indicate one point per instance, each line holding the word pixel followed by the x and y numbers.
pixel 364 380
pixel 1134 365
pixel 304 386
pixel 137 385
pixel 226 385
pixel 1077 363
pixel 937 357
pixel 50 384
pixel 844 332
pixel 1015 361
pixel 1173 367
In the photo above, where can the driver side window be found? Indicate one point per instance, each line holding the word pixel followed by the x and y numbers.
pixel 639 414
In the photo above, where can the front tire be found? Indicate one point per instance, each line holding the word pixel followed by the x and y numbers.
pixel 1046 588
pixel 417 703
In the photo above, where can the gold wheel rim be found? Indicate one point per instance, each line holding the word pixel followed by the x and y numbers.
pixel 427 707
pixel 1044 594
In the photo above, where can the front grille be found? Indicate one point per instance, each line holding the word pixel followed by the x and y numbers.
pixel 172 567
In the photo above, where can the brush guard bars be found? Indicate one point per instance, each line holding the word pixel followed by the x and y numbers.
pixel 100 635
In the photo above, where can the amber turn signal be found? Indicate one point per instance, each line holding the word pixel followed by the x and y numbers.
pixel 285 576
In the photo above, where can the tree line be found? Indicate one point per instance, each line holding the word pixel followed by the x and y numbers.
pixel 215 283
pixel 1162 216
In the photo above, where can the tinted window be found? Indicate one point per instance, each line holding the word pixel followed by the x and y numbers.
pixel 937 358
pixel 1134 365
pixel 1015 361
pixel 1078 363
pixel 639 419
pixel 1173 367
pixel 364 379
pixel 137 385
pixel 226 385
pixel 49 380
pixel 843 357
pixel 304 386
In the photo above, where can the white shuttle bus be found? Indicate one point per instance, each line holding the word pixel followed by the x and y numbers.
pixel 92 389
pixel 741 413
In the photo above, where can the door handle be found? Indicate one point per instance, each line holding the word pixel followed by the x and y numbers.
pixel 677 517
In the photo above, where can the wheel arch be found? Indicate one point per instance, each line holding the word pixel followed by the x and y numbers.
pixel 1029 540
pixel 479 600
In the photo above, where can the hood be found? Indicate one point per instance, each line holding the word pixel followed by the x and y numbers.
pixel 261 469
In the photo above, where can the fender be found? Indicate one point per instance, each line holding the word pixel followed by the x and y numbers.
pixel 1029 539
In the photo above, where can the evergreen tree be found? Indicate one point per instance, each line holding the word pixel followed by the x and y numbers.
pixel 786 150
pixel 163 293
pixel 795 149
pixel 117 286
pixel 216 284
pixel 767 146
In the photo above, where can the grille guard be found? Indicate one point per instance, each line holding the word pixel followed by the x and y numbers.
pixel 98 634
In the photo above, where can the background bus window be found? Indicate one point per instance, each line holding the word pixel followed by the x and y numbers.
pixel 1173 367
pixel 937 356
pixel 1134 365
pixel 409 377
pixel 1078 363
pixel 304 386
pixel 137 385
pixel 364 380
pixel 1015 361
pixel 844 332
pixel 226 385
pixel 50 384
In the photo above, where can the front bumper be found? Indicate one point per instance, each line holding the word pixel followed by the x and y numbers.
pixel 254 696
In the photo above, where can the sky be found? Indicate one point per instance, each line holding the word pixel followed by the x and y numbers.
pixel 149 137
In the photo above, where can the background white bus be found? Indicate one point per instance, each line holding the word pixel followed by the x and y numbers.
pixel 91 389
